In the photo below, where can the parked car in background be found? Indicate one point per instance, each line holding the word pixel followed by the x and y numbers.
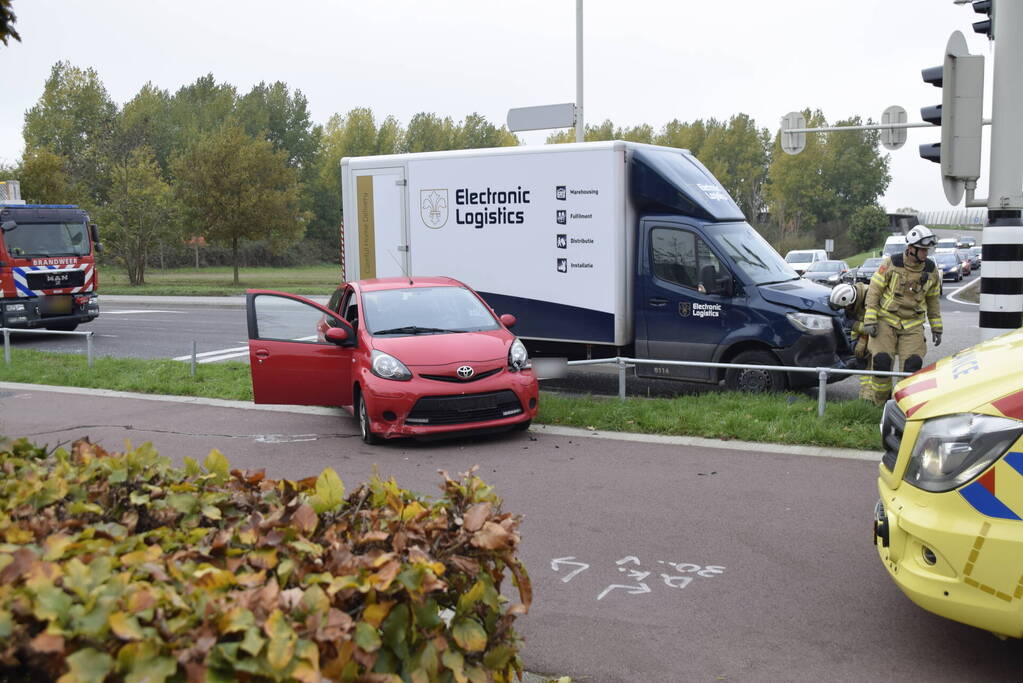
pixel 966 256
pixel 977 252
pixel 801 259
pixel 895 244
pixel 828 273
pixel 946 245
pixel 947 525
pixel 412 358
pixel 950 265
pixel 966 242
pixel 867 270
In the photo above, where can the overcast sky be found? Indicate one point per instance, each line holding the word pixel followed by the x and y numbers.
pixel 646 61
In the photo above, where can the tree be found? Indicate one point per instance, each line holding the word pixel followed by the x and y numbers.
pixel 868 226
pixel 200 108
pixel 737 155
pixel 146 121
pixel 140 212
pixel 7 19
pixel 796 191
pixel 282 118
pixel 429 133
pixel 75 118
pixel 475 132
pixel 45 179
pixel 232 186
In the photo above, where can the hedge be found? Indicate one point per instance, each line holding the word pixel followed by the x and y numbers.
pixel 118 566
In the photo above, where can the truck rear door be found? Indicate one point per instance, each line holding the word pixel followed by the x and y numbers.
pixel 380 200
pixel 676 318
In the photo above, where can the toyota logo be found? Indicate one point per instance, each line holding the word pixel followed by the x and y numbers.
pixel 465 372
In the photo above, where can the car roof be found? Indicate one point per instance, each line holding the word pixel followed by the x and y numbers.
pixel 384 283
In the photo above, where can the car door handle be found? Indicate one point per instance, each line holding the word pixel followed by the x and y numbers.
pixel 658 303
pixel 262 355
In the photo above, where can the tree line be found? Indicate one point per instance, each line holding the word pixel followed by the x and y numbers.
pixel 249 179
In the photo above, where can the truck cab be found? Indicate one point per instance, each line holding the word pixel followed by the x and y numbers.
pixel 47 266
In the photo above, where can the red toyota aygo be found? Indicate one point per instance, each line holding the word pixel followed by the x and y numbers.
pixel 417 358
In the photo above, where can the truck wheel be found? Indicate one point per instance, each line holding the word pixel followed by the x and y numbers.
pixel 365 431
pixel 751 380
pixel 62 327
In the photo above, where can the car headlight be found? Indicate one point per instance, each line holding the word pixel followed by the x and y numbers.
pixel 387 366
pixel 833 278
pixel 518 358
pixel 952 450
pixel 810 322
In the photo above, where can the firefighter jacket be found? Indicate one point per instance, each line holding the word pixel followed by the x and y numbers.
pixel 901 294
pixel 855 313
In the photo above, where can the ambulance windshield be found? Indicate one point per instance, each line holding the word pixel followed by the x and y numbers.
pixel 46 239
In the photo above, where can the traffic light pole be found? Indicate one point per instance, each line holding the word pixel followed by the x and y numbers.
pixel 1001 284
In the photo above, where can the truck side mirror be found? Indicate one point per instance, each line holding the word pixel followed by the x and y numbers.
pixel 94 231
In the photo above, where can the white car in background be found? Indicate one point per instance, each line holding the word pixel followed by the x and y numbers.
pixel 946 245
pixel 801 259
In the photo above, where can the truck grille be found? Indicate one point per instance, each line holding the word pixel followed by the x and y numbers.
pixel 54 279
pixel 448 410
pixel 893 423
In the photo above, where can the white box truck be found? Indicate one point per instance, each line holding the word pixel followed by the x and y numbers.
pixel 605 248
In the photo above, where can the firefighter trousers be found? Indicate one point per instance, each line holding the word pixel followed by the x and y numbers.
pixel 909 346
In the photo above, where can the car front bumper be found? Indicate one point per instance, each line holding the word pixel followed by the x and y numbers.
pixel 393 413
pixel 951 560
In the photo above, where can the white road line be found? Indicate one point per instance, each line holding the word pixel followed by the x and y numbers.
pixel 214 359
pixel 951 296
pixel 134 311
pixel 218 352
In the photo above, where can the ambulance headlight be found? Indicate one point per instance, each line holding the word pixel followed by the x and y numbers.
pixel 952 450
pixel 810 322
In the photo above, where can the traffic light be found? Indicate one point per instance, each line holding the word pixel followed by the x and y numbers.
pixel 987 26
pixel 960 115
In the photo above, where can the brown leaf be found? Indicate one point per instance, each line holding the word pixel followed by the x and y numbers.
pixel 493 537
pixel 290 599
pixel 47 643
pixel 266 597
pixel 23 561
pixel 465 564
pixel 476 516
pixel 305 518
pixel 385 575
pixel 371 536
pixel 522 579
pixel 339 623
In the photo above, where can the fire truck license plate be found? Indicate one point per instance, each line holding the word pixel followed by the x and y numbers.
pixel 55 305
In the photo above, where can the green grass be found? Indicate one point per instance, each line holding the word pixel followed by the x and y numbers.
pixel 219 281
pixel 856 260
pixel 786 418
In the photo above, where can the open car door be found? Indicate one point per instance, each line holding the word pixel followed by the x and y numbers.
pixel 292 361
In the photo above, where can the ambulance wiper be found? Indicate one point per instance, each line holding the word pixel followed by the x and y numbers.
pixel 413 329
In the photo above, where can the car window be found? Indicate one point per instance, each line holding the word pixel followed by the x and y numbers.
pixel 425 310
pixel 680 257
pixel 285 319
pixel 799 258
pixel 872 263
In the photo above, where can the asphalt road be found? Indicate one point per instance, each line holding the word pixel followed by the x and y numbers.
pixel 650 561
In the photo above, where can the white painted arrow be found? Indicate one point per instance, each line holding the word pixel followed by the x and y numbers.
pixel 558 562
pixel 632 590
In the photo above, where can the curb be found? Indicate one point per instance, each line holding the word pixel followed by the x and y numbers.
pixel 951 296
pixel 237 301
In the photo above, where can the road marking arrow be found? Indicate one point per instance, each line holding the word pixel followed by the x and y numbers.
pixel 632 590
pixel 558 562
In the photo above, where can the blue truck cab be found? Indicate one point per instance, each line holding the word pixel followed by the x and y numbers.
pixel 710 288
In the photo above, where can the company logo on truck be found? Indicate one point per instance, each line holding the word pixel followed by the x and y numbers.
pixel 488 206
pixel 433 207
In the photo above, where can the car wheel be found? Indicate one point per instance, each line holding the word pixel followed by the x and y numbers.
pixel 365 430
pixel 752 380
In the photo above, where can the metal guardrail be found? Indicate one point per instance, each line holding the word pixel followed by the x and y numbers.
pixel 7 331
pixel 822 372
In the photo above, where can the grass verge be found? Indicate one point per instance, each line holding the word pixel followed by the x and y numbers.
pixel 220 281
pixel 784 418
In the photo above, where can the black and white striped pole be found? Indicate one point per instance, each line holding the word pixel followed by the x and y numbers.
pixel 1001 285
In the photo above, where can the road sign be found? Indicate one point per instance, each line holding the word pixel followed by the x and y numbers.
pixel 893 138
pixel 542 117
pixel 793 143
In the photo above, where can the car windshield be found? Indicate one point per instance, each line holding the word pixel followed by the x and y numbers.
pixel 46 239
pixel 946 244
pixel 803 257
pixel 751 253
pixel 825 267
pixel 872 263
pixel 946 259
pixel 425 310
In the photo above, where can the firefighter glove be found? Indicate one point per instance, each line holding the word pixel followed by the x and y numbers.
pixel 936 336
pixel 871 329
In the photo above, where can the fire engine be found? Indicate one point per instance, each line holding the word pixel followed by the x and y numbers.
pixel 47 263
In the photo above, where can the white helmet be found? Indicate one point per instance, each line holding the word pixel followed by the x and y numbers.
pixel 842 295
pixel 920 236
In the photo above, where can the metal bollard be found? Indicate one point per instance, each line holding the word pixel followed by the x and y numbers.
pixel 822 390
pixel 621 379
pixel 194 348
pixel 88 348
pixel 7 347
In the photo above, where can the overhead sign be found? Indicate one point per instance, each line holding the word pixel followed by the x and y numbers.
pixel 793 143
pixel 542 117
pixel 893 138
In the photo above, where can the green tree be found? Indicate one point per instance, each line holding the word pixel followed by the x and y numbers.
pixel 737 154
pixel 429 133
pixel 868 226
pixel 7 19
pixel 796 191
pixel 390 136
pixel 75 118
pixel 233 187
pixel 475 132
pixel 147 121
pixel 200 108
pixel 45 179
pixel 140 212
pixel 282 118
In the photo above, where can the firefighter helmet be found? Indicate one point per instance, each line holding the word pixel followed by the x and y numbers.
pixel 842 295
pixel 920 236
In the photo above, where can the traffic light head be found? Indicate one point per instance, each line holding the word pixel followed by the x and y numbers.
pixel 987 26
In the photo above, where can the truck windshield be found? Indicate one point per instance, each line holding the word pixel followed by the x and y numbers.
pixel 46 239
pixel 751 253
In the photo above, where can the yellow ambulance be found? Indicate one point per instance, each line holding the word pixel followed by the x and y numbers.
pixel 949 523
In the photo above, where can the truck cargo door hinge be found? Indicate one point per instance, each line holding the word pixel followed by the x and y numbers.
pixel 401 183
pixel 402 247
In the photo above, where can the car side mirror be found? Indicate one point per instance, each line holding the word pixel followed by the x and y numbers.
pixel 336 335
pixel 507 319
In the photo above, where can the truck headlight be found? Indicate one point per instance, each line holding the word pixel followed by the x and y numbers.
pixel 518 358
pixel 11 308
pixel 954 449
pixel 387 366
pixel 810 322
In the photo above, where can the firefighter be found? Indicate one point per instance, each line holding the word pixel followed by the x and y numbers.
pixel 852 299
pixel 904 291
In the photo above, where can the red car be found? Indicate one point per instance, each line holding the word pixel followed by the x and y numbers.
pixel 417 358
